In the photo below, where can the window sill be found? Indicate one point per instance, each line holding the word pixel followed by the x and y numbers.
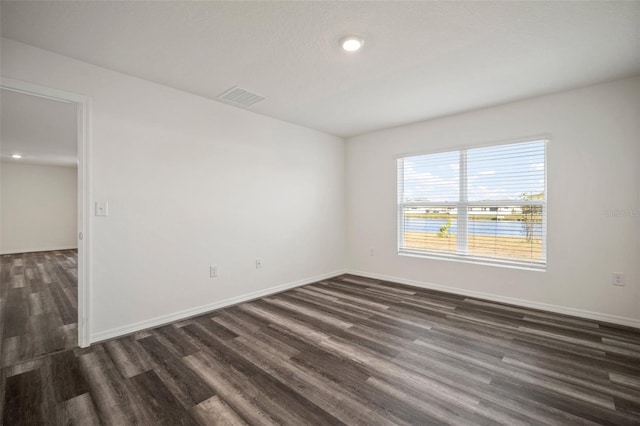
pixel 476 260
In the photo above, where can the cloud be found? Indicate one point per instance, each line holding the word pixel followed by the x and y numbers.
pixel 537 166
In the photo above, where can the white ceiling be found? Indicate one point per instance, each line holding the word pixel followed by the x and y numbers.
pixel 42 130
pixel 420 60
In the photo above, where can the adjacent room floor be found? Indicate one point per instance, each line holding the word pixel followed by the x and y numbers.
pixel 39 293
pixel 348 350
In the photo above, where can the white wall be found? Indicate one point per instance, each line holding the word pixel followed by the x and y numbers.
pixel 593 163
pixel 38 208
pixel 191 182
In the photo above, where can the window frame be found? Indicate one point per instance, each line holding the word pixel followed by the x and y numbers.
pixel 462 205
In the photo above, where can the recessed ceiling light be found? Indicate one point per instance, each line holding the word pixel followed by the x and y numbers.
pixel 16 156
pixel 351 43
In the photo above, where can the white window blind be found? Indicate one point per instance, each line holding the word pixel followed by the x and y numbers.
pixel 486 204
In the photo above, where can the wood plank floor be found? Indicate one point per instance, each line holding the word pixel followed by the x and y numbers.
pixel 348 350
pixel 39 304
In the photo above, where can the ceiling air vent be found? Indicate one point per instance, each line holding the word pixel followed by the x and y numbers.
pixel 239 96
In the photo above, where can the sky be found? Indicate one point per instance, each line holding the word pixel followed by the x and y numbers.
pixel 501 172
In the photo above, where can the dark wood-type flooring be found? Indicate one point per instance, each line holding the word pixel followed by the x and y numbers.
pixel 38 304
pixel 348 350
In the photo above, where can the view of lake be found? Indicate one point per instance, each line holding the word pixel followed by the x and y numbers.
pixel 478 227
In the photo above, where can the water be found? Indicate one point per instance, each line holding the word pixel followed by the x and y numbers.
pixel 476 227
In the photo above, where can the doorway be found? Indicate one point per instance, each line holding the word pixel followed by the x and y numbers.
pixel 67 267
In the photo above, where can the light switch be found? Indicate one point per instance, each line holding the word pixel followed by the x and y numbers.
pixel 102 208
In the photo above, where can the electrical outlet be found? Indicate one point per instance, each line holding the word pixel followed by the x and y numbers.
pixel 102 208
pixel 258 263
pixel 617 278
pixel 372 251
pixel 213 271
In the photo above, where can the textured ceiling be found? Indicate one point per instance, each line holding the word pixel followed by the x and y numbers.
pixel 42 130
pixel 420 60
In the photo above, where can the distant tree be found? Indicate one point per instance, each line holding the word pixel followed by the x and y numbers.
pixel 531 214
pixel 444 230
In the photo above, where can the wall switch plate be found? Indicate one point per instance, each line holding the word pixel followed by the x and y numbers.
pixel 102 208
pixel 213 271
pixel 372 251
pixel 617 278
pixel 258 263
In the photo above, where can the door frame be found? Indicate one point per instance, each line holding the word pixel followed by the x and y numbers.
pixel 84 199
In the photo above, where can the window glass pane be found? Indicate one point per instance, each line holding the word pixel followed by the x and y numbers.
pixel 506 172
pixel 430 228
pixel 496 213
pixel 506 232
pixel 433 178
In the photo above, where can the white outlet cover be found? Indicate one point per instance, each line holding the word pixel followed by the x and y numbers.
pixel 102 208
pixel 617 278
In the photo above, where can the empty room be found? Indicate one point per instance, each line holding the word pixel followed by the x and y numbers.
pixel 319 213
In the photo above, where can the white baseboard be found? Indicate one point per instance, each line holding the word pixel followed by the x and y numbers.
pixel 614 319
pixel 34 250
pixel 188 313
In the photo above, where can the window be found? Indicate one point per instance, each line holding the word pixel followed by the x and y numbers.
pixel 482 204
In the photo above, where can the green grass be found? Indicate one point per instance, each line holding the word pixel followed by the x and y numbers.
pixel 504 247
